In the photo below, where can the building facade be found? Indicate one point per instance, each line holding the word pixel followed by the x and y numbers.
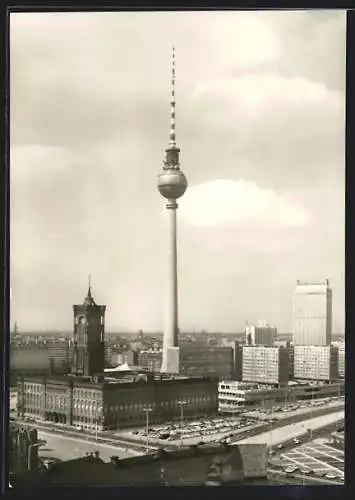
pixel 117 402
pixel 312 314
pixel 260 334
pixel 341 358
pixel 316 363
pixel 265 365
pixel 207 361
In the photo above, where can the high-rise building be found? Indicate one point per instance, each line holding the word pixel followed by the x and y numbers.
pixel 315 363
pixel 312 314
pixel 265 365
pixel 341 358
pixel 89 337
pixel 172 185
pixel 260 334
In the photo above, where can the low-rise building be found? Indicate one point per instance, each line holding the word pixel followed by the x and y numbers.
pixel 265 365
pixel 115 402
pixel 233 395
pixel 315 362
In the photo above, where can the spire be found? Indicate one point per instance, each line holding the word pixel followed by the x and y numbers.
pixel 89 301
pixel 172 142
pixel 172 153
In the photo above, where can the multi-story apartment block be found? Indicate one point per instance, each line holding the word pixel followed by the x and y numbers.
pixel 265 365
pixel 315 362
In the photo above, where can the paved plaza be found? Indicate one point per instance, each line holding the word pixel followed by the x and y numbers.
pixel 316 458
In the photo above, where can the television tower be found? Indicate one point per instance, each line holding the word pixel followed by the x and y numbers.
pixel 172 184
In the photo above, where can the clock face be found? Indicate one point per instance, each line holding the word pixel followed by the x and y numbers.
pixel 82 320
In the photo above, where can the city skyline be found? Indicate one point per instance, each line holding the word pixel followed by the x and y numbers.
pixel 260 123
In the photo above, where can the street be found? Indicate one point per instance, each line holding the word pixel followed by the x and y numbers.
pixel 68 448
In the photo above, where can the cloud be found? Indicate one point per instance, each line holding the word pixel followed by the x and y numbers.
pixel 241 203
pixel 260 98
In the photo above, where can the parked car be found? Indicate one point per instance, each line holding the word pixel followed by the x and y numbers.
pixel 306 471
pixel 291 470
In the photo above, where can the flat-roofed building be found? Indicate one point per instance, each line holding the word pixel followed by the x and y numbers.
pixel 116 401
pixel 267 365
pixel 312 314
pixel 341 358
pixel 260 334
pixel 233 395
pixel 315 362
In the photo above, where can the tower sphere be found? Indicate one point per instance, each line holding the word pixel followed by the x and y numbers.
pixel 172 183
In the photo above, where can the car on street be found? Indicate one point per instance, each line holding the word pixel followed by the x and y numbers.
pixel 291 470
pixel 306 471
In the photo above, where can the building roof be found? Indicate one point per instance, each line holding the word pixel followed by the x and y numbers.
pixel 182 467
pixel 120 368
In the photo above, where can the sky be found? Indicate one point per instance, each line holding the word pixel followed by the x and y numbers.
pixel 261 126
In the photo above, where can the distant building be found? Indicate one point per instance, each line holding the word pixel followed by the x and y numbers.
pixel 207 361
pixel 341 358
pixel 312 314
pixel 60 354
pixel 315 363
pixel 151 359
pixel 22 449
pixel 268 365
pixel 108 355
pixel 238 361
pixel 260 334
pixel 29 356
pixel 123 356
pixel 291 361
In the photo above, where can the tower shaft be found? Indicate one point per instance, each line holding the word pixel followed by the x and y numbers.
pixel 171 318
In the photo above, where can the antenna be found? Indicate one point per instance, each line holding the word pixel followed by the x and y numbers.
pixel 172 142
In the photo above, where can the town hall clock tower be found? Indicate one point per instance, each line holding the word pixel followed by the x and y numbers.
pixel 89 338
